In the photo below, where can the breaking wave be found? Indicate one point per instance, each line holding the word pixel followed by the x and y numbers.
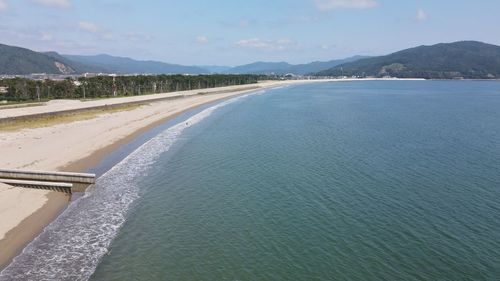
pixel 71 247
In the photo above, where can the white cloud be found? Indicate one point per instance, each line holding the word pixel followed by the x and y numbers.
pixel 421 15
pixel 45 36
pixel 270 45
pixel 202 39
pixel 329 5
pixel 3 5
pixel 96 30
pixel 137 37
pixel 327 46
pixel 54 3
pixel 89 26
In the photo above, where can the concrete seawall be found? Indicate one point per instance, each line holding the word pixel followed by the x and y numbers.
pixel 60 181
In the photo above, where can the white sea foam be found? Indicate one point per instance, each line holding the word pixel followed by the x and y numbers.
pixel 71 247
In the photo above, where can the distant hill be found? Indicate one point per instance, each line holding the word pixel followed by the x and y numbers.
pixel 129 66
pixel 465 59
pixel 16 60
pixel 21 61
pixel 215 68
pixel 76 66
pixel 261 68
pixel 281 68
pixel 317 66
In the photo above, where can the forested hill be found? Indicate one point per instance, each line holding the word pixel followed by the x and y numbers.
pixel 21 61
pixel 125 65
pixel 464 59
pixel 78 67
pixel 282 68
pixel 16 60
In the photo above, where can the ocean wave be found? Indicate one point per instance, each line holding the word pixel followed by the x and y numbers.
pixel 71 247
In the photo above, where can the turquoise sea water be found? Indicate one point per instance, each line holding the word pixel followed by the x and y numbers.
pixel 330 181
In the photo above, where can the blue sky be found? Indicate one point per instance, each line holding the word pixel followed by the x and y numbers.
pixel 232 32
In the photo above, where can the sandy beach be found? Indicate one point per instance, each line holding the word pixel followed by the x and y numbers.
pixel 77 146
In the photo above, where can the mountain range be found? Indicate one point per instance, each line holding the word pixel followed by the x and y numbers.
pixel 125 65
pixel 21 61
pixel 464 59
pixel 16 60
pixel 282 68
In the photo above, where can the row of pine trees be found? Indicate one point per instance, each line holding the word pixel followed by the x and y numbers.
pixel 23 90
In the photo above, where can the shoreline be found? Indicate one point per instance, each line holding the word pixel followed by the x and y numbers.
pixel 28 229
pixel 89 161
pixel 31 226
pixel 18 237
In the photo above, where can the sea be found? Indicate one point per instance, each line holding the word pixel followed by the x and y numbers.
pixel 363 180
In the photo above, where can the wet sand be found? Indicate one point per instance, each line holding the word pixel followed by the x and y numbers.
pixel 19 236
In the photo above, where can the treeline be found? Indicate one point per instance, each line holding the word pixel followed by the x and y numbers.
pixel 22 89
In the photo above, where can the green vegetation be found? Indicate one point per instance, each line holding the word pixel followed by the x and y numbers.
pixel 24 90
pixel 466 59
pixel 21 61
pixel 282 68
pixel 15 60
pixel 123 65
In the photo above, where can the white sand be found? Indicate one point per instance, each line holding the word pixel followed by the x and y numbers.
pixel 16 204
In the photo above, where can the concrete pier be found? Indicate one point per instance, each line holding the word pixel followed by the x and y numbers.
pixel 55 186
pixel 60 181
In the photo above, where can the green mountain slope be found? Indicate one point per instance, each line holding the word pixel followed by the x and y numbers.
pixel 466 59
pixel 77 66
pixel 282 68
pixel 16 60
pixel 21 61
pixel 126 65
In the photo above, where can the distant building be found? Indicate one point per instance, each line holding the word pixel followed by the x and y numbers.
pixel 89 75
pixel 38 76
pixel 4 90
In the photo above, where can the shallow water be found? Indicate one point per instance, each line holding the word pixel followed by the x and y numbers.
pixel 71 247
pixel 335 181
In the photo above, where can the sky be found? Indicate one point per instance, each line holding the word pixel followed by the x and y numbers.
pixel 234 32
